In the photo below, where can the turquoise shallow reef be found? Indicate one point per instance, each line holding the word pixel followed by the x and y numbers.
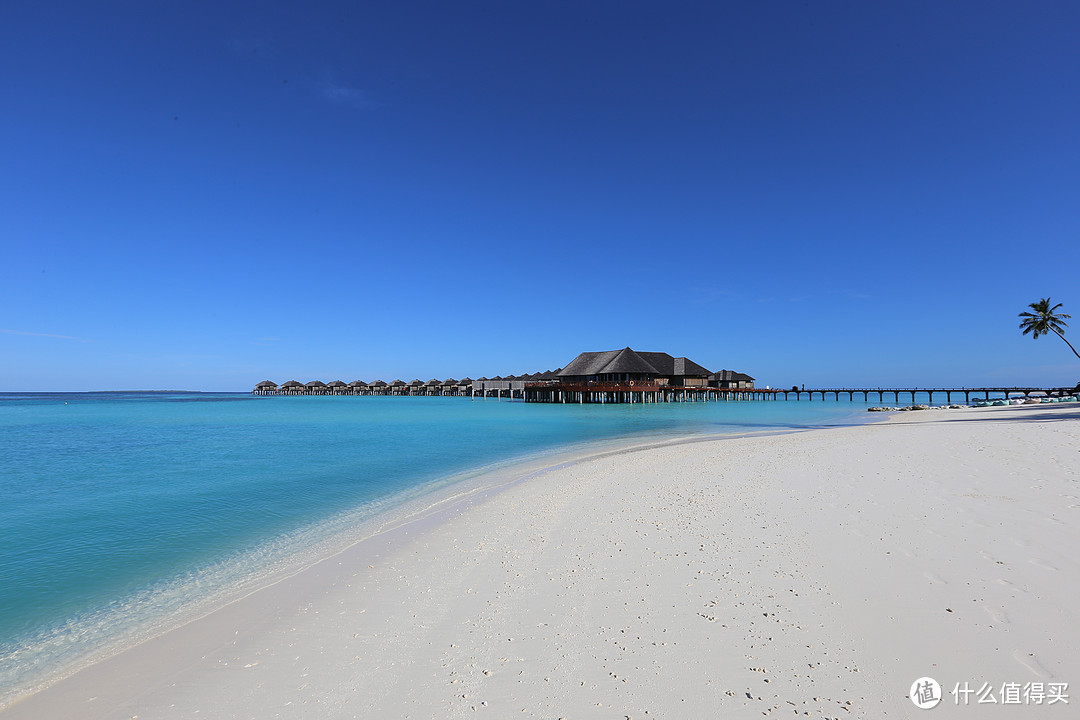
pixel 121 507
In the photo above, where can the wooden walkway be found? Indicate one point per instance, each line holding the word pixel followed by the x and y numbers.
pixel 603 393
pixel 615 393
pixel 983 392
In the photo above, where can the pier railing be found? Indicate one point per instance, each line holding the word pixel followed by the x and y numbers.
pixel 600 386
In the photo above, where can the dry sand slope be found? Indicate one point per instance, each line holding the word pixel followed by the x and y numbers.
pixel 812 575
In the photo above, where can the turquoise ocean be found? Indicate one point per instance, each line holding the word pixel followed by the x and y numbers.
pixel 118 510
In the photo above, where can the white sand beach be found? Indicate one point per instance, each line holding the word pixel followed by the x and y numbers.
pixel 815 574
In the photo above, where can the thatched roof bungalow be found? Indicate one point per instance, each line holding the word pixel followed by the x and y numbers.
pixel 316 387
pixel 731 379
pixel 293 388
pixel 266 387
pixel 626 366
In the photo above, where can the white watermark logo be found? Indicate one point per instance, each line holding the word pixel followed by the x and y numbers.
pixel 925 693
pixel 1011 693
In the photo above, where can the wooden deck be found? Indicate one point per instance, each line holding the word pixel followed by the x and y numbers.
pixel 637 392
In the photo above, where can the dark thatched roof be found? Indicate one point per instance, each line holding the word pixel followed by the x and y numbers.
pixel 634 363
pixel 608 361
pixel 267 384
pixel 315 384
pixel 689 368
pixel 358 384
pixel 730 376
pixel 336 383
pixel 292 383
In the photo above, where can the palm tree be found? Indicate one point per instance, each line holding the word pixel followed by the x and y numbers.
pixel 1044 320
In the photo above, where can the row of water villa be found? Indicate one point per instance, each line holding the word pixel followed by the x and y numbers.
pixel 509 386
pixel 612 376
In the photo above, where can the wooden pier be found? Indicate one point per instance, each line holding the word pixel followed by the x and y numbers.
pixel 638 392
pixel 881 393
pixel 604 393
pixel 634 392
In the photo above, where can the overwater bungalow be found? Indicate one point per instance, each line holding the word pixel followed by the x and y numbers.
pixel 628 366
pixel 293 388
pixel 315 387
pixel 266 387
pixel 416 387
pixel 731 379
pixel 337 387
pixel 358 387
pixel 398 387
pixel 433 387
pixel 378 388
pixel 617 376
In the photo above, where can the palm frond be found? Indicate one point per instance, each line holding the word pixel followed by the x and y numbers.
pixel 1044 320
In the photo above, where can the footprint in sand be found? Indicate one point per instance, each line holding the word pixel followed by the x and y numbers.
pixel 1040 563
pixel 1014 586
pixel 1029 661
pixel 935 579
pixel 996 614
pixel 906 553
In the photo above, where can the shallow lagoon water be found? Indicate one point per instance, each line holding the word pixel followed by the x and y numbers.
pixel 120 507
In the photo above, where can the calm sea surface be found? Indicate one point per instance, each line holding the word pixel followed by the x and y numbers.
pixel 121 507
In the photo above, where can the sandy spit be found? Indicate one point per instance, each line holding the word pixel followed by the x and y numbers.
pixel 815 574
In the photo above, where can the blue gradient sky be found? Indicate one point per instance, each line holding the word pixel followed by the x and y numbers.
pixel 206 195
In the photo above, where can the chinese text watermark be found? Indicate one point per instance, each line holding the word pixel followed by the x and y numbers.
pixel 926 693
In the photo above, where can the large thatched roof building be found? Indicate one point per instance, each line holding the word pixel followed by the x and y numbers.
pixel 626 365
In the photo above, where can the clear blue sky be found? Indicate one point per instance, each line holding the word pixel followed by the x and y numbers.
pixel 206 195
